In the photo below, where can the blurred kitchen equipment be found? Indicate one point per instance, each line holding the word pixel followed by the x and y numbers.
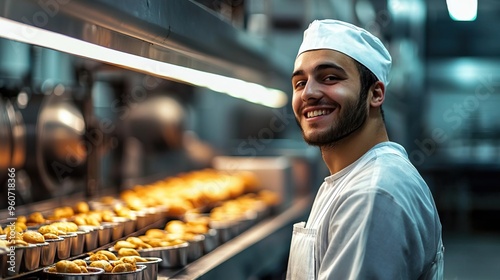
pixel 55 130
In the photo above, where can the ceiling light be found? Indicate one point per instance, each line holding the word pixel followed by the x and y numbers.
pixel 251 92
pixel 462 10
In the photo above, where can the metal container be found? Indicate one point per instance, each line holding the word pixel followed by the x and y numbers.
pixel 91 238
pixel 104 233
pixel 129 226
pixel 48 254
pixel 195 248
pixel 78 243
pixel 32 254
pixel 131 275
pixel 161 211
pixel 263 212
pixel 157 213
pixel 11 261
pixel 211 241
pixel 142 219
pixel 226 230
pixel 118 228
pixel 247 221
pixel 173 256
pixel 151 271
pixel 64 247
pixel 93 274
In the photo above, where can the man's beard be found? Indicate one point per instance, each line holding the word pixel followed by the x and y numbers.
pixel 353 118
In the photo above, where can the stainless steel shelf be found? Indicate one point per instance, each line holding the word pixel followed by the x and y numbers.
pixel 261 249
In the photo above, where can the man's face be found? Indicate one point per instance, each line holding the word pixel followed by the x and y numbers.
pixel 326 97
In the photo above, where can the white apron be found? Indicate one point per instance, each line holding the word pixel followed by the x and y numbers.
pixel 304 239
pixel 303 243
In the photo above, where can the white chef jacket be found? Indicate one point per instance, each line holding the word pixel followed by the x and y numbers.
pixel 375 219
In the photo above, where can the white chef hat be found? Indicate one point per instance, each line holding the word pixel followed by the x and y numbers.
pixel 351 40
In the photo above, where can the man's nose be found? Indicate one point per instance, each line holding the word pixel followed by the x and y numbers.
pixel 312 91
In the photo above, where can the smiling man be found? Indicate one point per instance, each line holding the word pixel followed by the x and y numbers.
pixel 374 217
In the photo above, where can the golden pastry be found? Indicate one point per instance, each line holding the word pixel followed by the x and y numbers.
pixel 16 235
pixel 123 267
pixel 102 264
pixel 155 243
pixel 21 225
pixel 133 259
pixel 138 243
pixel 124 244
pixel 50 236
pixel 155 233
pixel 125 252
pixel 108 254
pixel 4 243
pixel 66 227
pixel 82 207
pixel 65 266
pixel 196 228
pixel 63 212
pixel 80 220
pixel 17 243
pixel 36 218
pixel 33 237
pixel 98 257
pixel 175 226
pixel 80 262
pixel 18 227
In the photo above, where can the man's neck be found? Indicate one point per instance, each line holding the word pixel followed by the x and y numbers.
pixel 351 148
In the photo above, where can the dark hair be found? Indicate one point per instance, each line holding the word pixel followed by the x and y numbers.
pixel 367 79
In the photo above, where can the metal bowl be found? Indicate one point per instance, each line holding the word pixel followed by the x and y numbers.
pixel 48 254
pixel 131 275
pixel 151 271
pixel 64 247
pixel 172 256
pixel 93 274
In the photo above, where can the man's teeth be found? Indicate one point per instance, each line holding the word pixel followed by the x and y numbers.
pixel 316 113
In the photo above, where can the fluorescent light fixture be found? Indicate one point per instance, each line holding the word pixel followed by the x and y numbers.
pixel 404 9
pixel 462 10
pixel 251 92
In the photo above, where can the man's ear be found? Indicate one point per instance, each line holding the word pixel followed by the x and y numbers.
pixel 377 94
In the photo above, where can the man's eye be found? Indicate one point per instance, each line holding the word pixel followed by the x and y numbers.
pixel 330 78
pixel 300 84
